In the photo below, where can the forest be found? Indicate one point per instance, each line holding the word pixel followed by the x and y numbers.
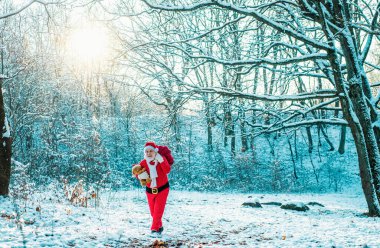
pixel 251 97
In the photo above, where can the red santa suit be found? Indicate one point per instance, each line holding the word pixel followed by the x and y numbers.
pixel 158 189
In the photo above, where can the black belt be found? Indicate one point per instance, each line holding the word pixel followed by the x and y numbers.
pixel 155 191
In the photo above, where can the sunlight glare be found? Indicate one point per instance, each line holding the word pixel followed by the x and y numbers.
pixel 88 45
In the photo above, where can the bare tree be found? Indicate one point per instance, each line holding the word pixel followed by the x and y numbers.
pixel 326 36
pixel 6 139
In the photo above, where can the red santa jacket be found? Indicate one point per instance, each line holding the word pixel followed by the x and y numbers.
pixel 162 170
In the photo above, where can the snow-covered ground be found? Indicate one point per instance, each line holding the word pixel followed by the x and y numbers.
pixel 191 220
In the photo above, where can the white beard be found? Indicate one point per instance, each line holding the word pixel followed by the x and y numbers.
pixel 148 159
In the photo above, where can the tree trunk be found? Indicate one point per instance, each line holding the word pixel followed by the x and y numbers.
pixel 326 138
pixel 293 160
pixel 336 112
pixel 309 139
pixel 176 130
pixel 301 87
pixel 243 131
pixel 228 121
pixel 210 123
pixel 370 146
pixel 5 149
pixel 356 113
pixel 355 107
pixel 233 143
pixel 358 95
pixel 342 142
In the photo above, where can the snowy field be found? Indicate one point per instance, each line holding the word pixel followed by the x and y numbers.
pixel 191 220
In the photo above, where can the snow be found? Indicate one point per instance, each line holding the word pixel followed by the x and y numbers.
pixel 376 124
pixel 7 133
pixel 297 204
pixel 192 219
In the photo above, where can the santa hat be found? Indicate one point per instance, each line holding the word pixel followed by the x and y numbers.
pixel 150 145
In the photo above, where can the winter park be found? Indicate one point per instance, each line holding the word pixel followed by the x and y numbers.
pixel 190 123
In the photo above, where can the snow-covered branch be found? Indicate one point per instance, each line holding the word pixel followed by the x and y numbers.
pixel 374 24
pixel 303 113
pixel 308 57
pixel 319 94
pixel 271 129
pixel 209 31
pixel 248 11
pixel 19 10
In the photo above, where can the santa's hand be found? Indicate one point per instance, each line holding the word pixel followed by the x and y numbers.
pixel 159 158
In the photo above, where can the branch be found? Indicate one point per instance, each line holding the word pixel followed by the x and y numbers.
pixel 372 65
pixel 248 12
pixel 15 12
pixel 303 113
pixel 293 60
pixel 209 31
pixel 319 94
pixel 370 35
pixel 298 124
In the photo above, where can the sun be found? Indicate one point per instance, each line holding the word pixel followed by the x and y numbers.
pixel 88 45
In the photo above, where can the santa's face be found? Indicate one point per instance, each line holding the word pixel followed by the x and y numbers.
pixel 149 153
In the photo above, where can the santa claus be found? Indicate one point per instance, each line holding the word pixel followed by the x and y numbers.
pixel 157 189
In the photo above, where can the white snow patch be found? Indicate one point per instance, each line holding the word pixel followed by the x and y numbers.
pixel 7 133
pixel 376 124
pixel 192 219
pixel 256 200
pixel 297 204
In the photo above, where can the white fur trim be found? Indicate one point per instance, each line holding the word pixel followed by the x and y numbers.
pixel 153 174
pixel 150 147
pixel 152 170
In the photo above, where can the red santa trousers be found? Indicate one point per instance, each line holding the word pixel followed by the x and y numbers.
pixel 157 204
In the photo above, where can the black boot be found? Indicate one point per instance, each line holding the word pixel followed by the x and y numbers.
pixel 157 234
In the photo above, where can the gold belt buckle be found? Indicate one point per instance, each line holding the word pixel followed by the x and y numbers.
pixel 154 191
